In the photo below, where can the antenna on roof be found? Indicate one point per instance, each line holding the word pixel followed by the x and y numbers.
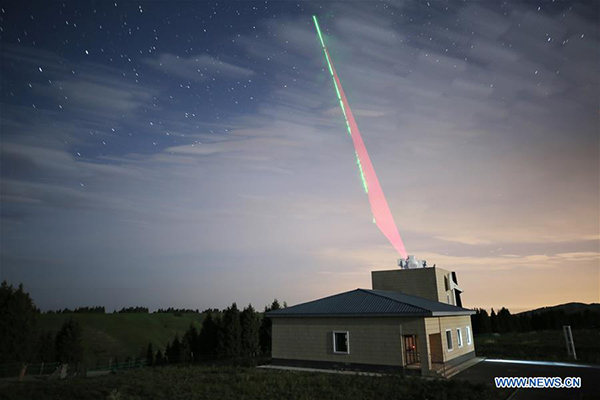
pixel 411 263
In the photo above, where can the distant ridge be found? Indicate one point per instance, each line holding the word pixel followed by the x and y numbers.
pixel 568 308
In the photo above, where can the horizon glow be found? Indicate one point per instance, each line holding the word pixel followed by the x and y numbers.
pixel 382 215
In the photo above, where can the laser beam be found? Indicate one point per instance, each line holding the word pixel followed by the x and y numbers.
pixel 382 215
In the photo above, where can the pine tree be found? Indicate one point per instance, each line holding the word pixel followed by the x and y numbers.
pixel 69 342
pixel 45 349
pixel 230 338
pixel 160 358
pixel 174 351
pixel 494 321
pixel 250 332
pixel 150 355
pixel 185 351
pixel 18 324
pixel 266 327
pixel 192 344
pixel 167 353
pixel 209 336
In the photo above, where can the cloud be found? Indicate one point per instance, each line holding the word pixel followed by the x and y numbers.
pixel 464 239
pixel 81 87
pixel 474 151
pixel 374 257
pixel 197 68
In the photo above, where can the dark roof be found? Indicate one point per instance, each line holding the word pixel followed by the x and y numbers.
pixel 371 303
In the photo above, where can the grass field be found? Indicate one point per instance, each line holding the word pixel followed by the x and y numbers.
pixel 543 345
pixel 201 382
pixel 122 335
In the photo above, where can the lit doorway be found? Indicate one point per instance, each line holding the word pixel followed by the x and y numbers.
pixel 411 354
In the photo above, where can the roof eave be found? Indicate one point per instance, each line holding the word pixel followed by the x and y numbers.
pixel 427 314
pixel 449 313
pixel 278 315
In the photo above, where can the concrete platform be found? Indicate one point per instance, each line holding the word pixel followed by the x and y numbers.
pixel 485 371
pixel 456 369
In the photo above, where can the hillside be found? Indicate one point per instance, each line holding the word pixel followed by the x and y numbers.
pixel 568 308
pixel 123 335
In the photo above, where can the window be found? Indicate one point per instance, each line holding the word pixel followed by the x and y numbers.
pixel 468 330
pixel 449 339
pixel 341 342
pixel 459 337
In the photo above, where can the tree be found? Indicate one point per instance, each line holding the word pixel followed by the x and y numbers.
pixel 494 321
pixel 18 324
pixel 160 358
pixel 185 351
pixel 209 335
pixel 173 351
pixel 149 355
pixel 69 342
pixel 481 321
pixel 266 327
pixel 505 321
pixel 230 334
pixel 45 349
pixel 250 332
pixel 192 344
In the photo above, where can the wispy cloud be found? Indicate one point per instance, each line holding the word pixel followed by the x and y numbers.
pixel 478 141
pixel 197 68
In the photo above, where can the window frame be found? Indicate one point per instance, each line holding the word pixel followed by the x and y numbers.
pixel 469 339
pixel 347 333
pixel 449 344
pixel 459 338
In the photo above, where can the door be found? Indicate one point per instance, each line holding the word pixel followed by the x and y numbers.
pixel 435 345
pixel 411 355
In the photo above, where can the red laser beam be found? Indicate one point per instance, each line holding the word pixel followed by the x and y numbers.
pixel 382 215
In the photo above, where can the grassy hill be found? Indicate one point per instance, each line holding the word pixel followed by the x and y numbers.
pixel 108 336
pixel 568 308
pixel 210 382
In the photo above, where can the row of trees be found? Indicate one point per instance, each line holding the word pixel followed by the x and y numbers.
pixel 548 319
pixel 134 310
pixel 80 310
pixel 228 334
pixel 172 310
pixel 66 346
pixel 124 310
pixel 21 340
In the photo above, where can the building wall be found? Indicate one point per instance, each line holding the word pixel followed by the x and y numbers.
pixel 440 277
pixel 441 324
pixel 419 282
pixel 422 282
pixel 372 340
pixel 376 341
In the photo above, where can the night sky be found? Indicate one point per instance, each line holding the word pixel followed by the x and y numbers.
pixel 192 154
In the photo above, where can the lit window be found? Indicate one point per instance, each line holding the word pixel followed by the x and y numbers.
pixel 459 337
pixel 341 342
pixel 449 339
pixel 468 330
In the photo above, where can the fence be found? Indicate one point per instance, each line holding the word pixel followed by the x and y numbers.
pixel 15 370
pixel 21 371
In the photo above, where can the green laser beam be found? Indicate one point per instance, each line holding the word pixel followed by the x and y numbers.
pixel 362 175
pixel 335 85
